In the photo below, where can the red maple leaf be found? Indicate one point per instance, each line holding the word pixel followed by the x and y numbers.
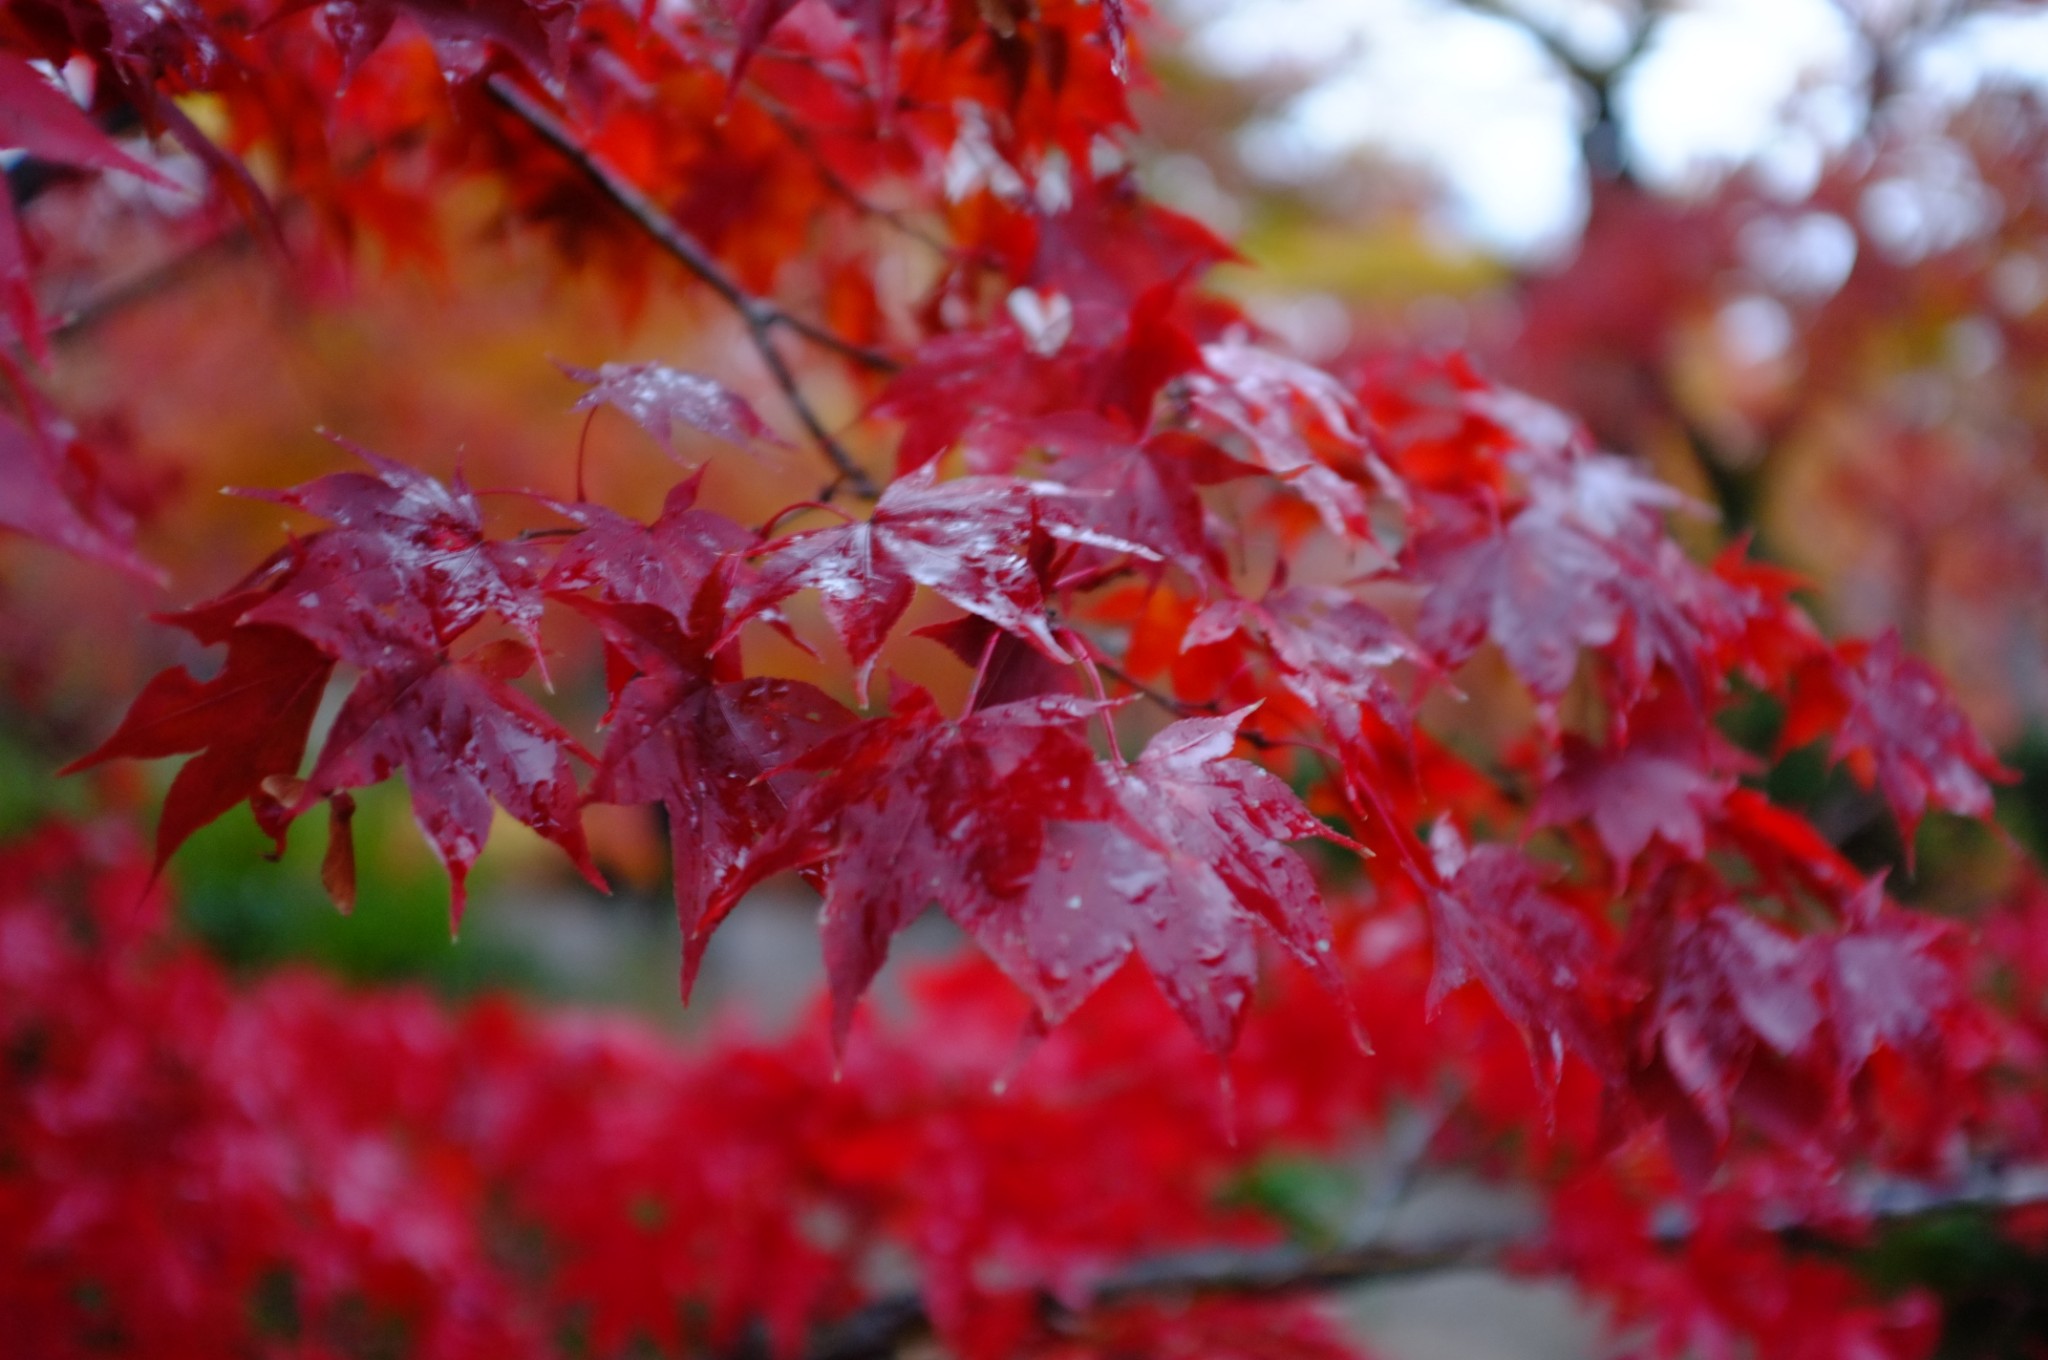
pixel 1296 422
pixel 408 567
pixel 973 541
pixel 911 810
pixel 1333 650
pixel 1140 490
pixel 248 725
pixel 1665 778
pixel 1191 866
pixel 1494 920
pixel 1894 724
pixel 464 739
pixel 1890 980
pixel 1733 1011
pixel 666 564
pixel 713 753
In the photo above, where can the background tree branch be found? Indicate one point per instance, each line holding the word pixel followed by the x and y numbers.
pixel 883 1327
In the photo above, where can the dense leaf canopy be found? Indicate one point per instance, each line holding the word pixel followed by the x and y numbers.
pixel 1396 730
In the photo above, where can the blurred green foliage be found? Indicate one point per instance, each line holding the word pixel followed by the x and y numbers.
pixel 254 913
pixel 1993 1292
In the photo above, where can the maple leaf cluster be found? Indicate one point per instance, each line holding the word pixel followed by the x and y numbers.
pixel 1882 441
pixel 1210 603
pixel 1092 399
pixel 201 1167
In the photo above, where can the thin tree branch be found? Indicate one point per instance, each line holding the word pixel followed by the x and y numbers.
pixel 1601 140
pixel 162 278
pixel 885 1326
pixel 761 316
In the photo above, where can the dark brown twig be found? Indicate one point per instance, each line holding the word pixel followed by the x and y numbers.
pixel 761 316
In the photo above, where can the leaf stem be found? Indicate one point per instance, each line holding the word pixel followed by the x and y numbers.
pixel 1086 654
pixel 582 447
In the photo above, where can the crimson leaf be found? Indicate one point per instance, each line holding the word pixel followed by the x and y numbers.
pixel 1189 869
pixel 464 738
pixel 712 753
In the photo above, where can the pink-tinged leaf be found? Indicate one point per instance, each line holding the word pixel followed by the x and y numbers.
pixel 409 565
pixel 1537 586
pixel 247 724
pixel 658 398
pixel 970 541
pixel 1892 721
pixel 464 738
pixel 712 753
pixel 1582 565
pixel 1889 984
pixel 1138 490
pixel 1665 779
pixel 1493 920
pixel 1296 422
pixel 1727 987
pixel 911 810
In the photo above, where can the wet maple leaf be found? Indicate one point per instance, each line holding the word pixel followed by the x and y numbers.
pixel 658 398
pixel 666 564
pixel 1333 650
pixel 1664 779
pixel 1139 490
pixel 1186 872
pixel 409 565
pixel 1494 920
pixel 1728 986
pixel 713 753
pixel 911 810
pixel 1299 424
pixel 464 739
pixel 972 541
pixel 1890 980
pixel 1535 585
